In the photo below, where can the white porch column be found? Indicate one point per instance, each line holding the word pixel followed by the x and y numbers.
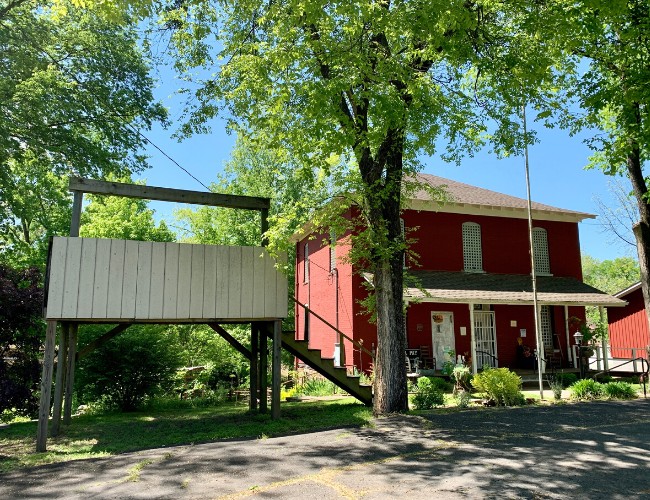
pixel 604 340
pixel 569 348
pixel 472 337
pixel 541 349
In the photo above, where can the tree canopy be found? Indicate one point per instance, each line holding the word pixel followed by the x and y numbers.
pixel 613 39
pixel 122 218
pixel 372 82
pixel 75 92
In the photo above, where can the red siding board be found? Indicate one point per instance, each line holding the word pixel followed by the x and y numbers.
pixel 628 327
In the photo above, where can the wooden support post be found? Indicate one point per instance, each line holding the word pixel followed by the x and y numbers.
pixel 601 313
pixel 46 387
pixel 75 222
pixel 255 334
pixel 263 374
pixel 264 220
pixel 276 370
pixel 60 378
pixel 69 379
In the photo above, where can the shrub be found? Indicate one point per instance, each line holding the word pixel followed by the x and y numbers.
pixel 440 384
pixel 619 390
pixel 461 376
pixel 500 386
pixel 21 333
pixel 586 389
pixel 463 399
pixel 317 387
pixel 566 379
pixel 556 387
pixel 428 395
pixel 128 369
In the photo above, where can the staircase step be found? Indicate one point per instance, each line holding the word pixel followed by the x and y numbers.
pixel 325 366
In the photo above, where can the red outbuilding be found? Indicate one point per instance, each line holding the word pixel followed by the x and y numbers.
pixel 629 335
pixel 469 290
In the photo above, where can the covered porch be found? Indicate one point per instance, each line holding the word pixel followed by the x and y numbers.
pixel 489 319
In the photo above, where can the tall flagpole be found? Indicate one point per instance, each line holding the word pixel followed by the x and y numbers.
pixel 533 272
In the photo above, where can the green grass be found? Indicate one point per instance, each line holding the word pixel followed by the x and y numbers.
pixel 92 436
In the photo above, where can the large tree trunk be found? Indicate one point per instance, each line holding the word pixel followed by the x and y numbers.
pixel 382 176
pixel 642 235
pixel 391 394
pixel 641 228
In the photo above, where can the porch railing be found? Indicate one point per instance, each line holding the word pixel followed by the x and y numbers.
pixel 601 360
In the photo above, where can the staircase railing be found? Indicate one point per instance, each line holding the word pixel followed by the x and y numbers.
pixel 358 345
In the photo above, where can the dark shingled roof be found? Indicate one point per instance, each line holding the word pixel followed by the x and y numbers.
pixel 442 286
pixel 472 195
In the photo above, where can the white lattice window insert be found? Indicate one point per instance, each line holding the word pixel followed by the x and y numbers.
pixel 540 251
pixel 472 253
pixel 546 329
pixel 305 263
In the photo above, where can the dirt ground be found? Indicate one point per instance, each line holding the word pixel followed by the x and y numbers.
pixel 587 450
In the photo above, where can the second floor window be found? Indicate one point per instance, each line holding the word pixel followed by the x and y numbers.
pixel 472 251
pixel 540 251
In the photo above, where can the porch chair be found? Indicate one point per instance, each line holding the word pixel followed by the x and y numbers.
pixel 426 358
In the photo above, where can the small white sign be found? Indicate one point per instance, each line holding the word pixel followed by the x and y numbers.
pixel 463 330
pixel 522 332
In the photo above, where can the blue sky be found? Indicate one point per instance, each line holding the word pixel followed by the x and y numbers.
pixel 556 169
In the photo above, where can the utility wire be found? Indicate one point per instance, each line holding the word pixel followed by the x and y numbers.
pixel 166 155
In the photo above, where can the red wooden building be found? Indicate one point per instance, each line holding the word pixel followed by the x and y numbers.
pixel 629 335
pixel 470 291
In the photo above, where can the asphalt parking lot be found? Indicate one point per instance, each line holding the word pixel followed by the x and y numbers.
pixel 585 450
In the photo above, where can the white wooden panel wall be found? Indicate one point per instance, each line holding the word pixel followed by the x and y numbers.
pixel 103 280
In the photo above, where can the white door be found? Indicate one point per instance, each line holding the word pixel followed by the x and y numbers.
pixel 486 339
pixel 442 337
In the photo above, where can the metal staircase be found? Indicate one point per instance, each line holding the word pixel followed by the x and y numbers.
pixel 325 366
